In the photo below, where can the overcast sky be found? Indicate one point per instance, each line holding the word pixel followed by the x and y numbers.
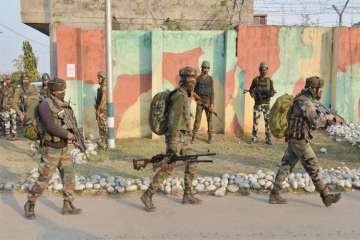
pixel 288 12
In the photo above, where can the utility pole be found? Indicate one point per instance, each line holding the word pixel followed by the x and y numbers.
pixel 110 105
pixel 340 13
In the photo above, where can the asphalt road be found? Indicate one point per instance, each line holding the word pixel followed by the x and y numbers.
pixel 230 217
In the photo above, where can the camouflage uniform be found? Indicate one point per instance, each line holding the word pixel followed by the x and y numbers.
pixel 54 153
pixel 7 113
pixel 177 140
pixel 302 119
pixel 101 110
pixel 261 106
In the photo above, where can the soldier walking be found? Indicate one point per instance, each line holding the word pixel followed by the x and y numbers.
pixel 177 139
pixel 54 150
pixel 204 96
pixel 8 113
pixel 261 90
pixel 302 119
pixel 101 110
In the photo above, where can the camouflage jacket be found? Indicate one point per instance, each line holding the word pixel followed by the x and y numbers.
pixel 205 87
pixel 262 86
pixel 178 117
pixel 100 100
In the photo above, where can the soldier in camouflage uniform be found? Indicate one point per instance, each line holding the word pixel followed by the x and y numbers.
pixel 204 95
pixel 261 90
pixel 101 109
pixel 25 93
pixel 8 114
pixel 177 138
pixel 302 119
pixel 45 78
pixel 54 150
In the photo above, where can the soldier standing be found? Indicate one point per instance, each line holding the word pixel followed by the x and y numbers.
pixel 8 114
pixel 101 109
pixel 261 90
pixel 302 119
pixel 23 95
pixel 204 95
pixel 54 150
pixel 45 78
pixel 177 138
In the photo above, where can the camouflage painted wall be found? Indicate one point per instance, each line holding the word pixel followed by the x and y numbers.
pixel 148 62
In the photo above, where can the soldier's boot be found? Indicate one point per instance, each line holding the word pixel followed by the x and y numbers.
pixel 329 198
pixel 193 138
pixel 146 199
pixel 268 141
pixel 253 139
pixel 275 198
pixel 70 209
pixel 29 209
pixel 189 198
pixel 209 138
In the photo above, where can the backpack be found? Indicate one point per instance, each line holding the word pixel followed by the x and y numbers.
pixel 32 127
pixel 278 116
pixel 158 112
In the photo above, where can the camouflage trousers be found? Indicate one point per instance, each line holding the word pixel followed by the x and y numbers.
pixel 103 129
pixel 166 169
pixel 199 111
pixel 264 109
pixel 52 159
pixel 8 119
pixel 300 150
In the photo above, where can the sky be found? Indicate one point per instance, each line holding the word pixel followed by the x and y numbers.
pixel 280 12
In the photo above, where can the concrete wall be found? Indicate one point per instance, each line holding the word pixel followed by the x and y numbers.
pixel 139 14
pixel 148 62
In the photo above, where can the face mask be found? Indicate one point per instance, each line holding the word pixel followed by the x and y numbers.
pixel 61 96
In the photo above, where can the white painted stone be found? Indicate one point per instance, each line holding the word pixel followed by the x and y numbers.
pixel 220 192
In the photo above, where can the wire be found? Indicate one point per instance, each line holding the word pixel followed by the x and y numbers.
pixel 23 36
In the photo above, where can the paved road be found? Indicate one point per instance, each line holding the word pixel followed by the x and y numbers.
pixel 231 217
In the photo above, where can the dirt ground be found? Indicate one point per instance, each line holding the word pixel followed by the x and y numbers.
pixel 234 155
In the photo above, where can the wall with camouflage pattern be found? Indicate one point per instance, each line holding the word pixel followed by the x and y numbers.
pixel 148 62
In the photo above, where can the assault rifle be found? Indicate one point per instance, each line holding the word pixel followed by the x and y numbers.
pixel 69 119
pixel 258 95
pixel 324 111
pixel 207 108
pixel 171 158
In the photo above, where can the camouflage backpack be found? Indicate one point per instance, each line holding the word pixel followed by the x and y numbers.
pixel 158 112
pixel 278 115
pixel 31 121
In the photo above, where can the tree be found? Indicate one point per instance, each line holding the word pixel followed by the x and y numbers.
pixel 30 62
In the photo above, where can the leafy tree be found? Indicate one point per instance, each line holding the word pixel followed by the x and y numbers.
pixel 30 62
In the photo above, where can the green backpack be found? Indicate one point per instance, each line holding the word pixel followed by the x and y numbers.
pixel 278 116
pixel 158 112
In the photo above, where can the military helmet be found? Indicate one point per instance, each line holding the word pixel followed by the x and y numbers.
pixel 314 82
pixel 205 64
pixel 45 76
pixel 57 84
pixel 263 65
pixel 187 72
pixel 101 74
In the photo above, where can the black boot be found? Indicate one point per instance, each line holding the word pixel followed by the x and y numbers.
pixel 209 138
pixel 189 198
pixel 329 198
pixel 146 199
pixel 70 209
pixel 29 209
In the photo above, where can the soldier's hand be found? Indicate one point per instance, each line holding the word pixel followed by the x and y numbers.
pixel 21 116
pixel 70 136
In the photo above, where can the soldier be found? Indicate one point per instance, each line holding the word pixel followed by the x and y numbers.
pixel 45 78
pixel 302 119
pixel 101 110
pixel 261 90
pixel 204 95
pixel 54 150
pixel 8 114
pixel 177 138
pixel 23 94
